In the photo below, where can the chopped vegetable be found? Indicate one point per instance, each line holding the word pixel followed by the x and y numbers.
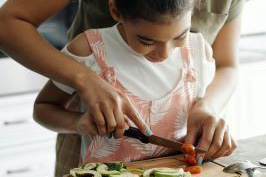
pixel 194 169
pixel 125 175
pixel 104 170
pixel 78 172
pixel 115 165
pixel 188 149
pixel 163 172
pixel 89 166
pixel 190 160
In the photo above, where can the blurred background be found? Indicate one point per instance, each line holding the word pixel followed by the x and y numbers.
pixel 27 149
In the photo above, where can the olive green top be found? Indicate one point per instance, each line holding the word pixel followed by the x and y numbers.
pixel 208 20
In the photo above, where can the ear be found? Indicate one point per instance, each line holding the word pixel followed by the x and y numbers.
pixel 114 12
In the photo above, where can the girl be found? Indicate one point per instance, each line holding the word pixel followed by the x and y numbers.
pixel 150 56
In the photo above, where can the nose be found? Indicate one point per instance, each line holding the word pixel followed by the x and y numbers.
pixel 164 50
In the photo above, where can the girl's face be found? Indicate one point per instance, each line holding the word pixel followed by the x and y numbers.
pixel 154 40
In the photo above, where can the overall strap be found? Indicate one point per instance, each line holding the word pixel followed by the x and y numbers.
pixel 97 46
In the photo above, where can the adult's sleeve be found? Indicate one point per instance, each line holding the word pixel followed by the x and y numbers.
pixel 235 9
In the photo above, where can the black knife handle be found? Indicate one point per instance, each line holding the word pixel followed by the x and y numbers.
pixel 133 132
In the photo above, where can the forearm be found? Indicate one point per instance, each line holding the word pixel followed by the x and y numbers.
pixel 219 92
pixel 21 41
pixel 61 120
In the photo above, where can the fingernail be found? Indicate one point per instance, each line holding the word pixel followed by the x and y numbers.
pixel 200 160
pixel 149 132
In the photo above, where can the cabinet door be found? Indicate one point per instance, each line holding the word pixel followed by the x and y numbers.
pixel 33 160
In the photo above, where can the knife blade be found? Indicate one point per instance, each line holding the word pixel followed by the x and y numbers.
pixel 136 133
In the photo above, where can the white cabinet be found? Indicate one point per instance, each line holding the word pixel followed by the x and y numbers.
pixel 26 148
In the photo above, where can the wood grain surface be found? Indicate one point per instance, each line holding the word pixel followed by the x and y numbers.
pixel 209 169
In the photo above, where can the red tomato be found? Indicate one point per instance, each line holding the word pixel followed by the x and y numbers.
pixel 191 160
pixel 188 149
pixel 194 169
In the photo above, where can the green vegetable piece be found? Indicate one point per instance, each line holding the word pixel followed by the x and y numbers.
pixel 150 172
pixel 127 174
pixel 163 174
pixel 123 170
pixel 89 166
pixel 115 165
pixel 79 172
pixel 187 174
pixel 103 169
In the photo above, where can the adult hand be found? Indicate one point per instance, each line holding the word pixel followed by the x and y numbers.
pixel 209 132
pixel 108 108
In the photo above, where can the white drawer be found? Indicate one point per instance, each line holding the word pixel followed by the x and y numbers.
pixel 29 160
pixel 17 126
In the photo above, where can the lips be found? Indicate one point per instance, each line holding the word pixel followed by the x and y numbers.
pixel 154 59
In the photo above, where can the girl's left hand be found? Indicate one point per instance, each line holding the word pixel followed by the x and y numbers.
pixel 209 132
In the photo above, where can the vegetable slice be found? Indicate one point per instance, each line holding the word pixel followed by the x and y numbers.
pixel 194 169
pixel 103 169
pixel 89 166
pixel 78 172
pixel 188 149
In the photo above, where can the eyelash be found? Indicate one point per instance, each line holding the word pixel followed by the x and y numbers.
pixel 145 44
pixel 148 45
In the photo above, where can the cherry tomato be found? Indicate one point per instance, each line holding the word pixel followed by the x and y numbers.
pixel 188 149
pixel 191 160
pixel 194 169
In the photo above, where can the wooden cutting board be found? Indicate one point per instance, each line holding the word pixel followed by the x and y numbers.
pixel 209 169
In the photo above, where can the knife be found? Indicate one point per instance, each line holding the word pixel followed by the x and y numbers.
pixel 136 133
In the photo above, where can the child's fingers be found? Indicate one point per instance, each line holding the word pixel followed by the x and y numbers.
pixel 132 114
pixel 120 122
pixel 110 120
pixel 98 119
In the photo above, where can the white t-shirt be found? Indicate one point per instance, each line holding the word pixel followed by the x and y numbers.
pixel 146 79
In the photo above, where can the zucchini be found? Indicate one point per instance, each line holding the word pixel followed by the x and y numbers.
pixel 164 172
pixel 103 169
pixel 125 175
pixel 89 166
pixel 187 174
pixel 79 172
pixel 115 165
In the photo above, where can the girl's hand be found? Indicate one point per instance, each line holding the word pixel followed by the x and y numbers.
pixel 209 132
pixel 108 109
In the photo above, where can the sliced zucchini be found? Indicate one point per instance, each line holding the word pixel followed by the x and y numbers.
pixel 152 171
pixel 125 175
pixel 103 169
pixel 187 174
pixel 171 174
pixel 115 165
pixel 89 166
pixel 79 172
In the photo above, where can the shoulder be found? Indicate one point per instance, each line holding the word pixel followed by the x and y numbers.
pixel 79 46
pixel 201 45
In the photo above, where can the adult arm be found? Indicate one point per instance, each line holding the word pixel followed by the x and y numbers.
pixel 213 132
pixel 20 40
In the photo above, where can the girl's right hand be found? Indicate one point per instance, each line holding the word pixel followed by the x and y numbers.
pixel 109 110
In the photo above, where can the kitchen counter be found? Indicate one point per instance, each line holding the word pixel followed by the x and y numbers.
pixel 252 149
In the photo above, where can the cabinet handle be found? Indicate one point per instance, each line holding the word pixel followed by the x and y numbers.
pixel 22 170
pixel 15 122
